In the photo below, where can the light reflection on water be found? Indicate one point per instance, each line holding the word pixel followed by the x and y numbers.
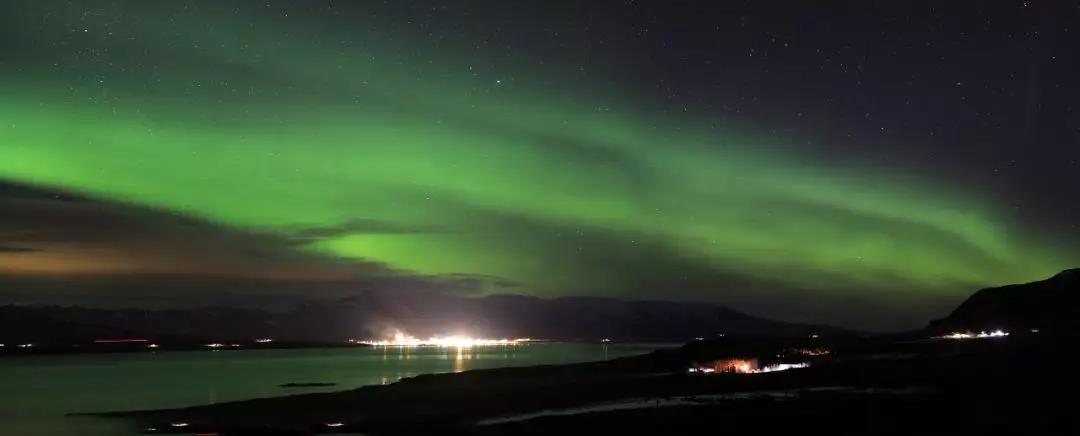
pixel 39 390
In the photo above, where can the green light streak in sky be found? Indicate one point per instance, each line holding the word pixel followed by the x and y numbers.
pixel 521 179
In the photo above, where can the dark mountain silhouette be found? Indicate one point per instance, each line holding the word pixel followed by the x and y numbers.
pixel 1051 304
pixel 380 314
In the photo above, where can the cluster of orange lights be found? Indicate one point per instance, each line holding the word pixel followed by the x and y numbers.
pixel 743 366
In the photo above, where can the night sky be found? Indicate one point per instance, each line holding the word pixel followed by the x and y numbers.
pixel 866 164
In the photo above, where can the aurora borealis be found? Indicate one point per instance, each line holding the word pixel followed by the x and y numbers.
pixel 510 148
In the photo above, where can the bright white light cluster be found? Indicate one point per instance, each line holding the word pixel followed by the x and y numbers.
pixel 980 335
pixel 402 340
pixel 747 369
pixel 220 345
pixel 780 367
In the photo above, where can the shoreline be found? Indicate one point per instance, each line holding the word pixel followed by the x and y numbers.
pixel 929 371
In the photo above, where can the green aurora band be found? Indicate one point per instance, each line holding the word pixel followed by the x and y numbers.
pixel 524 175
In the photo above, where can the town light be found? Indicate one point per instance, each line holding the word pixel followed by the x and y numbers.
pixel 403 340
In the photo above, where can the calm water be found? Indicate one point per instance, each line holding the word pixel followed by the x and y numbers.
pixel 37 391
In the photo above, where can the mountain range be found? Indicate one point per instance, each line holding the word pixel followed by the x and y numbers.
pixel 381 314
pixel 1051 304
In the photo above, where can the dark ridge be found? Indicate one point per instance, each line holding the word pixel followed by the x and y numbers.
pixel 378 314
pixel 1053 303
pixel 307 384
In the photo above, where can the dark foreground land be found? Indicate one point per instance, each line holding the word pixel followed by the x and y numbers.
pixel 1022 384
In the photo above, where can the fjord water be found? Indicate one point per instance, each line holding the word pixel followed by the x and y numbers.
pixel 36 392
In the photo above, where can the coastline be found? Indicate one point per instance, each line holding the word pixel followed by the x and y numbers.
pixel 934 372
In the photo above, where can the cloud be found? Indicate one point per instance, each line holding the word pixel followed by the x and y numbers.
pixel 359 226
pixel 60 248
pixel 4 249
pixel 53 232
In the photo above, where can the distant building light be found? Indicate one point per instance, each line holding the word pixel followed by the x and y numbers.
pixel 179 424
pixel 605 340
pixel 264 341
pixel 335 424
pixel 699 338
pixel 402 340
pixel 120 341
pixel 742 366
pixel 807 351
pixel 735 365
pixel 1032 330
pixel 980 335
pixel 214 345
pixel 152 345
pixel 25 345
pixel 781 367
pixel 815 336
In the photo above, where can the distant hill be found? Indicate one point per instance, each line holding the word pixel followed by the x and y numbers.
pixel 592 318
pixel 1051 304
pixel 379 314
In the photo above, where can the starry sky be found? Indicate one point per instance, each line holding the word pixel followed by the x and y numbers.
pixel 866 165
